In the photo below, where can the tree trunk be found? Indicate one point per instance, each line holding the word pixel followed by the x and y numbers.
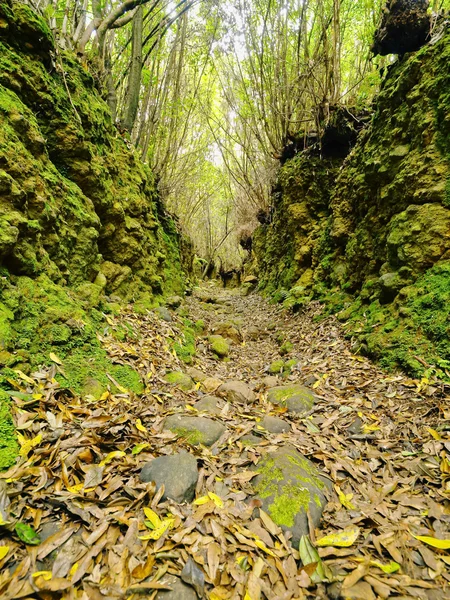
pixel 134 79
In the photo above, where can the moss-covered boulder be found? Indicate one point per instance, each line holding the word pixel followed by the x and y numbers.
pixel 219 345
pixel 290 486
pixel 296 398
pixel 179 379
pixel 276 367
pixel 195 430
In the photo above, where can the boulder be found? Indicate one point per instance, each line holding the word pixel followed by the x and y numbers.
pixel 296 398
pixel 211 384
pixel 196 374
pixel 209 404
pixel 290 486
pixel 196 430
pixel 180 380
pixel 228 330
pixel 174 301
pixel 275 425
pixel 178 473
pixel 164 314
pixel 237 391
pixel 219 345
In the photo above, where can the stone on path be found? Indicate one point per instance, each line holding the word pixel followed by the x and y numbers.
pixel 196 430
pixel 251 440
pixel 209 404
pixel 174 301
pixel 227 330
pixel 289 485
pixel 296 398
pixel 237 391
pixel 196 374
pixel 219 345
pixel 178 473
pixel 179 591
pixel 163 313
pixel 179 379
pixel 275 425
pixel 211 384
pixel 270 381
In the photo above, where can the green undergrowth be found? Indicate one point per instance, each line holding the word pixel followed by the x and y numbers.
pixel 8 443
pixel 184 346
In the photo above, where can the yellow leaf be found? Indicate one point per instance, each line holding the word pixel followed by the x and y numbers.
pixel 28 445
pixel 3 551
pixel 23 376
pixel 263 547
pixel 73 569
pixel 432 541
pixel 202 500
pixel 104 396
pixel 391 567
pixel 75 489
pixel 368 428
pixel 217 501
pixel 190 408
pixel 316 384
pixel 152 517
pixel 159 531
pixel 437 436
pixel 55 358
pixel 111 456
pixel 46 575
pixel 344 499
pixel 140 427
pixel 342 539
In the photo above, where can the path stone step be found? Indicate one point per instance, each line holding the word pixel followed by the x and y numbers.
pixel 296 398
pixel 209 404
pixel 237 391
pixel 275 425
pixel 289 486
pixel 196 430
pixel 178 473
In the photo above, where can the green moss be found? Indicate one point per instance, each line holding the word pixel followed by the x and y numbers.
pixel 270 475
pixel 8 443
pixel 276 367
pixel 286 347
pixel 219 345
pixel 185 345
pixel 191 437
pixel 287 505
pixel 179 379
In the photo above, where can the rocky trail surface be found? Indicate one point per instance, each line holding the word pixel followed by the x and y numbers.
pixel 277 465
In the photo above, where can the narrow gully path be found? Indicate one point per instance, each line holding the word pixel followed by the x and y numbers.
pixel 89 480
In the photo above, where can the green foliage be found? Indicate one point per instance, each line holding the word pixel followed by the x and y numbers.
pixel 8 443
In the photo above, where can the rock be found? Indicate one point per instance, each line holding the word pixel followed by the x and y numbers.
pixel 276 367
pixel 179 591
pixel 211 384
pixel 227 330
pixel 250 440
pixel 355 428
pixel 289 486
pixel 253 333
pixel 196 430
pixel 179 379
pixel 252 279
pixel 48 529
pixel 178 473
pixel 174 301
pixel 93 387
pixel 296 398
pixel 237 391
pixel 196 374
pixel 219 345
pixel 270 381
pixel 164 313
pixel 275 425
pixel 209 404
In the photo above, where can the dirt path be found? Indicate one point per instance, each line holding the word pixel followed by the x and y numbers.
pixel 380 441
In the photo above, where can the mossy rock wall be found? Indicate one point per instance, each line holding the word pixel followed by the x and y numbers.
pixel 75 200
pixel 379 238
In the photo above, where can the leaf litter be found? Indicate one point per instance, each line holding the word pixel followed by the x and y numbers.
pixel 76 521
